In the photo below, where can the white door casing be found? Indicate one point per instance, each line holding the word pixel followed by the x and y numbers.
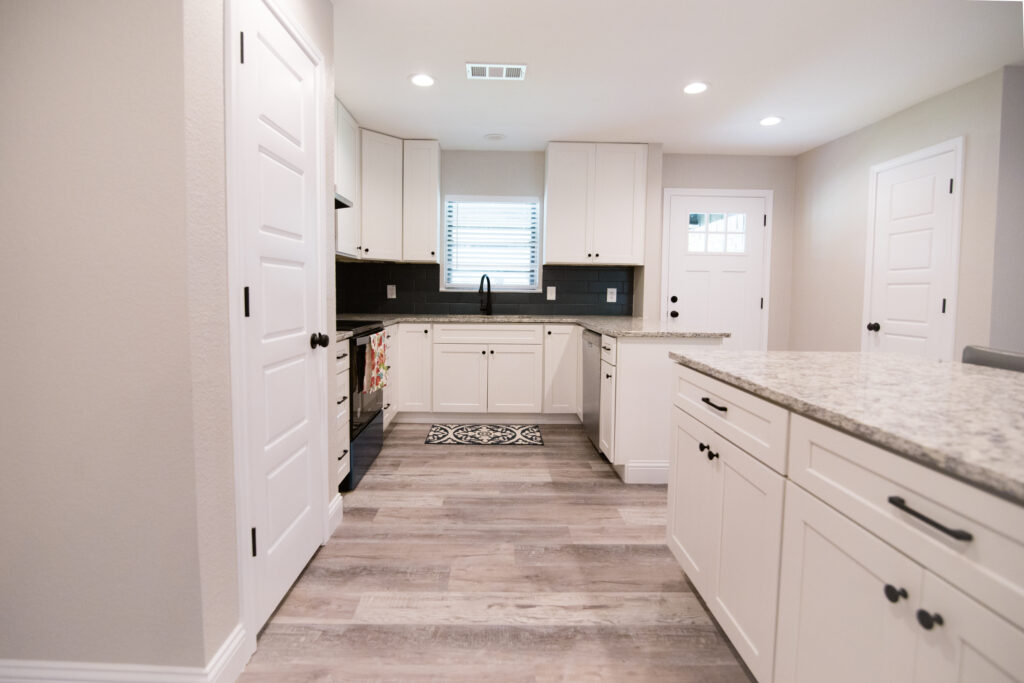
pixel 722 283
pixel 277 239
pixel 913 248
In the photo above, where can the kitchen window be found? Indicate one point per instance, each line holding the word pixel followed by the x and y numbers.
pixel 499 236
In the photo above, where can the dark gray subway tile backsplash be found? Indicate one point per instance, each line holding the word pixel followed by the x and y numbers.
pixel 579 290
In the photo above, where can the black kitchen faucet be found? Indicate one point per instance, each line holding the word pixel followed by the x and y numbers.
pixel 485 299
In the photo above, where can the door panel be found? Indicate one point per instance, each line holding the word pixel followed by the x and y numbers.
pixel 417 367
pixel 835 622
pixel 911 269
pixel 620 203
pixel 286 413
pixel 561 368
pixel 568 192
pixel 381 226
pixel 514 378
pixel 716 267
pixel 460 378
pixel 606 428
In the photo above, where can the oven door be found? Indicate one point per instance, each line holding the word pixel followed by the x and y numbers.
pixel 364 406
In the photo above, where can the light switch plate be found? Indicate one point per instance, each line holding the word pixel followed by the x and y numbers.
pixel 391 292
pixel 611 295
pixel 551 293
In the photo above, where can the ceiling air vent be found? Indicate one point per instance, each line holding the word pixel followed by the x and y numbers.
pixel 496 72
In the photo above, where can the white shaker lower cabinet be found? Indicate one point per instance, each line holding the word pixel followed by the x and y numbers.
pixel 561 368
pixel 460 378
pixel 514 378
pixel 415 343
pixel 725 529
pixel 391 389
pixel 836 622
pixel 606 425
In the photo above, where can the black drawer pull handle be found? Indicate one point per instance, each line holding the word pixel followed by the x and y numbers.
pixel 893 594
pixel 606 348
pixel 958 534
pixel 342 400
pixel 929 621
pixel 343 454
pixel 707 400
pixel 344 355
pixel 607 376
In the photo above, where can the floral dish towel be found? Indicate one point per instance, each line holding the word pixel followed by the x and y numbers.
pixel 376 364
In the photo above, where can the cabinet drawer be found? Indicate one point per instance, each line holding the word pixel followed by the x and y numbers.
pixel 755 425
pixel 869 485
pixel 488 333
pixel 341 396
pixel 341 357
pixel 609 346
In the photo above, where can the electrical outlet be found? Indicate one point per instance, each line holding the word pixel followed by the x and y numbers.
pixel 611 295
pixel 551 293
pixel 392 294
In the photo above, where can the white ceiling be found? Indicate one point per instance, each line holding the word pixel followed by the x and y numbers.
pixel 608 70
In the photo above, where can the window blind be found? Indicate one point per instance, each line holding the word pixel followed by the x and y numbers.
pixel 499 238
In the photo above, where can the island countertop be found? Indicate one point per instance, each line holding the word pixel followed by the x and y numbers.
pixel 963 420
pixel 611 325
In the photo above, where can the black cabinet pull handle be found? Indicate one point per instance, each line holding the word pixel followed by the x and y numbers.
pixel 597 255
pixel 342 356
pixel 707 400
pixel 427 331
pixel 958 534
pixel 484 352
pixel 674 298
pixel 606 348
pixel 588 255
pixel 607 376
pixel 874 327
pixel 387 406
pixel 929 621
pixel 549 331
pixel 707 447
pixel 893 594
pixel 674 314
pixel 492 352
pixel 343 454
pixel 342 400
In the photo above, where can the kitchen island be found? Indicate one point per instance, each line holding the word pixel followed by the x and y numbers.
pixel 853 516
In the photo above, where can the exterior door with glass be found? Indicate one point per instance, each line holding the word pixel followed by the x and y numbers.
pixel 716 261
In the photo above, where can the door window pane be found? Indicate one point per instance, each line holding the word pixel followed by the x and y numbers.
pixel 737 222
pixel 697 222
pixel 697 242
pixel 716 222
pixel 716 243
pixel 736 244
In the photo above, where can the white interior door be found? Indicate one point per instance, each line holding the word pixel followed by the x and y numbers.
pixel 716 248
pixel 280 163
pixel 911 255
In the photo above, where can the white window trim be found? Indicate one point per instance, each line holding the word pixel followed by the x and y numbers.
pixel 493 198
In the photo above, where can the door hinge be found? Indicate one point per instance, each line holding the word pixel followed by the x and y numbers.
pixel 951 186
pixel 762 303
pixel 246 302
pixel 765 221
pixel 241 43
pixel 254 541
pixel 943 305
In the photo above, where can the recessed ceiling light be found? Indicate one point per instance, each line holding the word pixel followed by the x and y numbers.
pixel 494 136
pixel 771 121
pixel 422 80
pixel 695 88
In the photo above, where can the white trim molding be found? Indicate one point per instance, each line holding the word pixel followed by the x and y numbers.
pixel 335 511
pixel 646 472
pixel 224 667
pixel 766 259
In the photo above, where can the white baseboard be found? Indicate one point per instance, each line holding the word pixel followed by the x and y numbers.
pixel 489 418
pixel 334 513
pixel 646 472
pixel 225 667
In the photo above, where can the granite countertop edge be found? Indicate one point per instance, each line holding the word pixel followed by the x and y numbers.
pixel 606 327
pixel 978 476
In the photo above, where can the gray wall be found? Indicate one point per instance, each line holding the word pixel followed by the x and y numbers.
pixel 1008 275
pixel 746 173
pixel 831 215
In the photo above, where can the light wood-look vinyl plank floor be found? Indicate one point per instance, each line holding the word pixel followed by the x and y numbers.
pixel 487 563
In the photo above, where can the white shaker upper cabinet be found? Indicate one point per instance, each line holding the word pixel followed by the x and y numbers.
pixel 421 201
pixel 595 203
pixel 568 202
pixel 381 196
pixel 346 182
pixel 620 204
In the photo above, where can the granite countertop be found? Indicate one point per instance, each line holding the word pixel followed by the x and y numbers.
pixel 611 325
pixel 963 420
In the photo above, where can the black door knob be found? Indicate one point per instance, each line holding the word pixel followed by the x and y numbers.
pixel 318 339
pixel 674 299
pixel 893 594
pixel 874 327
pixel 674 314
pixel 928 621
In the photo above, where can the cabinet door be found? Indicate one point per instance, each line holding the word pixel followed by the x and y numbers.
pixel 568 202
pixel 835 622
pixel 416 347
pixel 347 183
pixel 971 645
pixel 620 203
pixel 692 494
pixel 381 196
pixel 421 200
pixel 561 361
pixel 460 378
pixel 606 427
pixel 748 504
pixel 514 378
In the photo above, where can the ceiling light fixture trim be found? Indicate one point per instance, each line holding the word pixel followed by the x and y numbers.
pixel 422 80
pixel 695 88
pixel 771 121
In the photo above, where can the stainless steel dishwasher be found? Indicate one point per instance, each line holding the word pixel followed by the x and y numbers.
pixel 592 386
